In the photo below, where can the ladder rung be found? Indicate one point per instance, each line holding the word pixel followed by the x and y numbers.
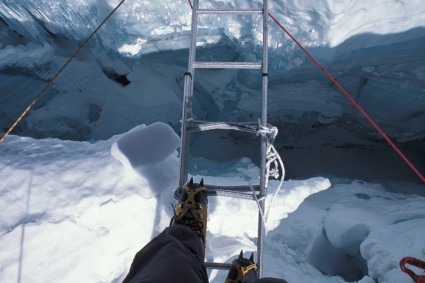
pixel 199 126
pixel 217 265
pixel 227 65
pixel 241 192
pixel 238 195
pixel 232 188
pixel 237 12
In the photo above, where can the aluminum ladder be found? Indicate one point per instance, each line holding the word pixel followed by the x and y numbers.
pixel 189 125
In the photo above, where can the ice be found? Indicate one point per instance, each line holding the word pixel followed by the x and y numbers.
pixel 145 145
pixel 87 183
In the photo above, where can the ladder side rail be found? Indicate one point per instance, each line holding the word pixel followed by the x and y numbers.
pixel 184 143
pixel 187 97
pixel 264 142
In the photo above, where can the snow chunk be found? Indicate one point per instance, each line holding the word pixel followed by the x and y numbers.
pixel 132 49
pixel 145 145
pixel 350 226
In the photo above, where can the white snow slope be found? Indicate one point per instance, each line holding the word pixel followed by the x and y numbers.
pixel 71 212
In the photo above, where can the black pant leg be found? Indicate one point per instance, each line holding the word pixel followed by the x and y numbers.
pixel 176 255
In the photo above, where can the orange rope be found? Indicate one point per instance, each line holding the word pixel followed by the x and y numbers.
pixel 58 73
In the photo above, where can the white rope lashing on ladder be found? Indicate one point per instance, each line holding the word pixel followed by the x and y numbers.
pixel 273 162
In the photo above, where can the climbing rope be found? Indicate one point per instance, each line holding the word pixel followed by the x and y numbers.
pixel 273 163
pixel 59 72
pixel 416 263
pixel 350 98
pixel 260 208
pixel 274 158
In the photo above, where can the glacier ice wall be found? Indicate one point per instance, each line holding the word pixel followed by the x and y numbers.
pixel 132 71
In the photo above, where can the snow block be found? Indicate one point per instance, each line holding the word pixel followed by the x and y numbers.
pixel 347 227
pixel 145 145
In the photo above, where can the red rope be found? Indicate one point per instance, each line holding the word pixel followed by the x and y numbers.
pixel 414 262
pixel 333 80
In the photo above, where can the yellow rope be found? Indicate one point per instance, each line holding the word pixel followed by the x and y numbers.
pixel 59 72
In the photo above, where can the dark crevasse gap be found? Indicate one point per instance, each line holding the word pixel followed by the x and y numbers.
pixel 119 78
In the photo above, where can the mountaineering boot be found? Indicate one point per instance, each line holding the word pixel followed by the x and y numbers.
pixel 243 270
pixel 191 208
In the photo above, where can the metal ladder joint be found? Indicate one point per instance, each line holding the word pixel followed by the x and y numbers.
pixel 269 131
pixel 200 126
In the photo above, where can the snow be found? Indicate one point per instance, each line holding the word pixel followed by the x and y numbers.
pixel 351 19
pixel 80 197
pixel 68 202
pixel 157 142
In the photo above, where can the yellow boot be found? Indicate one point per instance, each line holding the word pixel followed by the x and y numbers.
pixel 243 270
pixel 191 208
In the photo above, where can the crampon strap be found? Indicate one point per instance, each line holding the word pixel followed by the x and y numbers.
pixel 414 262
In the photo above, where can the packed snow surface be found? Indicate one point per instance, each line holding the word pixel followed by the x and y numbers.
pixel 74 213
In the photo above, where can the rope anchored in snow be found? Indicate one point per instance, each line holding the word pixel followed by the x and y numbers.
pixel 416 263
